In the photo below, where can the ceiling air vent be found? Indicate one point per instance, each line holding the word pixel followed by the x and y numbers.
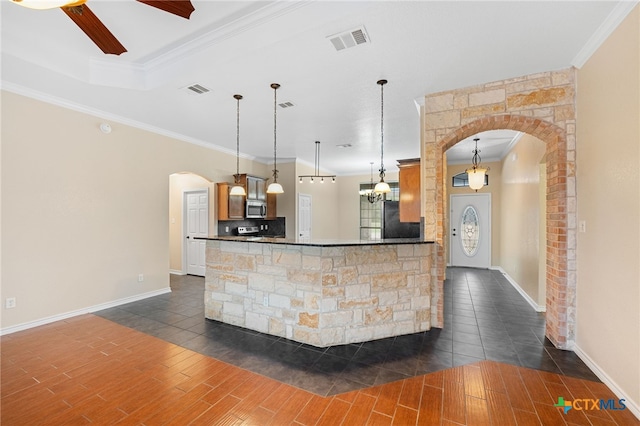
pixel 196 89
pixel 349 39
pixel 285 105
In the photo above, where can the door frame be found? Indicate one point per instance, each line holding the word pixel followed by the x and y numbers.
pixel 486 195
pixel 183 245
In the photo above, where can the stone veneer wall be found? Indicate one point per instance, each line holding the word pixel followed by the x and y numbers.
pixel 320 295
pixel 542 105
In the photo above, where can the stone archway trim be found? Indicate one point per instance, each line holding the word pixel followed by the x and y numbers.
pixel 542 105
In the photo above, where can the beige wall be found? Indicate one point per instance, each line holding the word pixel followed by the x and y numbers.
pixel 183 181
pixel 521 215
pixel 83 213
pixel 178 184
pixel 516 227
pixel 493 188
pixel 325 210
pixel 287 201
pixel 92 211
pixel 349 202
pixel 608 157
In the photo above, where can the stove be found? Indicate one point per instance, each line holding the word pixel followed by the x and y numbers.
pixel 248 230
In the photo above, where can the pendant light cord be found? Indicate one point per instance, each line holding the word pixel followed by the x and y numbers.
pixel 317 158
pixel 236 177
pixel 238 97
pixel 382 170
pixel 382 130
pixel 275 87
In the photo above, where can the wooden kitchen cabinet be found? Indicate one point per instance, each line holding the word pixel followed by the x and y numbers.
pixel 272 205
pixel 232 207
pixel 409 186
pixel 255 187
pixel 229 206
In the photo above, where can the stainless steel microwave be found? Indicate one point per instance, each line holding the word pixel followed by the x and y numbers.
pixel 256 209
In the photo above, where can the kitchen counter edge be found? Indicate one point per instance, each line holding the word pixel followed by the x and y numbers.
pixel 318 243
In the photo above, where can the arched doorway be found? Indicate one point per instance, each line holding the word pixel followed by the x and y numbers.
pixel 542 106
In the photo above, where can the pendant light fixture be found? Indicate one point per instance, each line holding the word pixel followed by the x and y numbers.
pixel 274 187
pixel 237 189
pixel 382 187
pixel 372 196
pixel 48 4
pixel 317 174
pixel 476 173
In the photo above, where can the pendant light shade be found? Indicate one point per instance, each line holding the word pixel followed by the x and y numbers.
pixel 382 187
pixel 476 178
pixel 274 187
pixel 237 189
pixel 48 4
pixel 476 172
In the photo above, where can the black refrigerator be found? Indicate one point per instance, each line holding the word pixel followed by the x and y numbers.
pixel 391 225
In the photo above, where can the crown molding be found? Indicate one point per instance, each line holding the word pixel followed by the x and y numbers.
pixel 152 71
pixel 617 15
pixel 64 103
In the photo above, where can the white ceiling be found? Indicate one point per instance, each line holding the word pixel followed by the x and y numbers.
pixel 242 47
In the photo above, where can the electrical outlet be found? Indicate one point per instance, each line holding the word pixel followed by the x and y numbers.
pixel 583 226
pixel 226 229
pixel 265 300
pixel 140 278
pixel 10 302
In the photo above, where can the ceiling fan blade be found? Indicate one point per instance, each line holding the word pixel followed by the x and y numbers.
pixel 182 8
pixel 94 28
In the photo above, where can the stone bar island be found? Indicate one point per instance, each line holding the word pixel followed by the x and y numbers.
pixel 322 293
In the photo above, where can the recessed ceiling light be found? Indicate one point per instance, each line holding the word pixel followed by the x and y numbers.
pixel 344 145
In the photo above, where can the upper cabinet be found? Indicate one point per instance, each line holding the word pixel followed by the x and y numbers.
pixel 409 185
pixel 232 207
pixel 255 187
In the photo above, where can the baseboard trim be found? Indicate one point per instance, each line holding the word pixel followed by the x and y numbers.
pixel 177 272
pixel 88 310
pixel 632 405
pixel 523 293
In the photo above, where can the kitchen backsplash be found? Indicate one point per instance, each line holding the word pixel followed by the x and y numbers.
pixel 268 228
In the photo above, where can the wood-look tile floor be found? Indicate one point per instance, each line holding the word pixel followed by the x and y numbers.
pixel 485 318
pixel 89 370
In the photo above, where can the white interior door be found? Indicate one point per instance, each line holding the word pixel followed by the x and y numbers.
pixel 470 230
pixel 304 217
pixel 197 225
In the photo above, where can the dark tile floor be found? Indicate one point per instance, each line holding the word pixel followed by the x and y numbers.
pixel 485 318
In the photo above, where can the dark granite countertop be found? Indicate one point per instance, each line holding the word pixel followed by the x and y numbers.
pixel 319 242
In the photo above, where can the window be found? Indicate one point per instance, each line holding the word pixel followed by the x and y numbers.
pixel 371 213
pixel 470 230
pixel 462 179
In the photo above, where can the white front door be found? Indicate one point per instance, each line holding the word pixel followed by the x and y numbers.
pixel 197 225
pixel 304 217
pixel 470 230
